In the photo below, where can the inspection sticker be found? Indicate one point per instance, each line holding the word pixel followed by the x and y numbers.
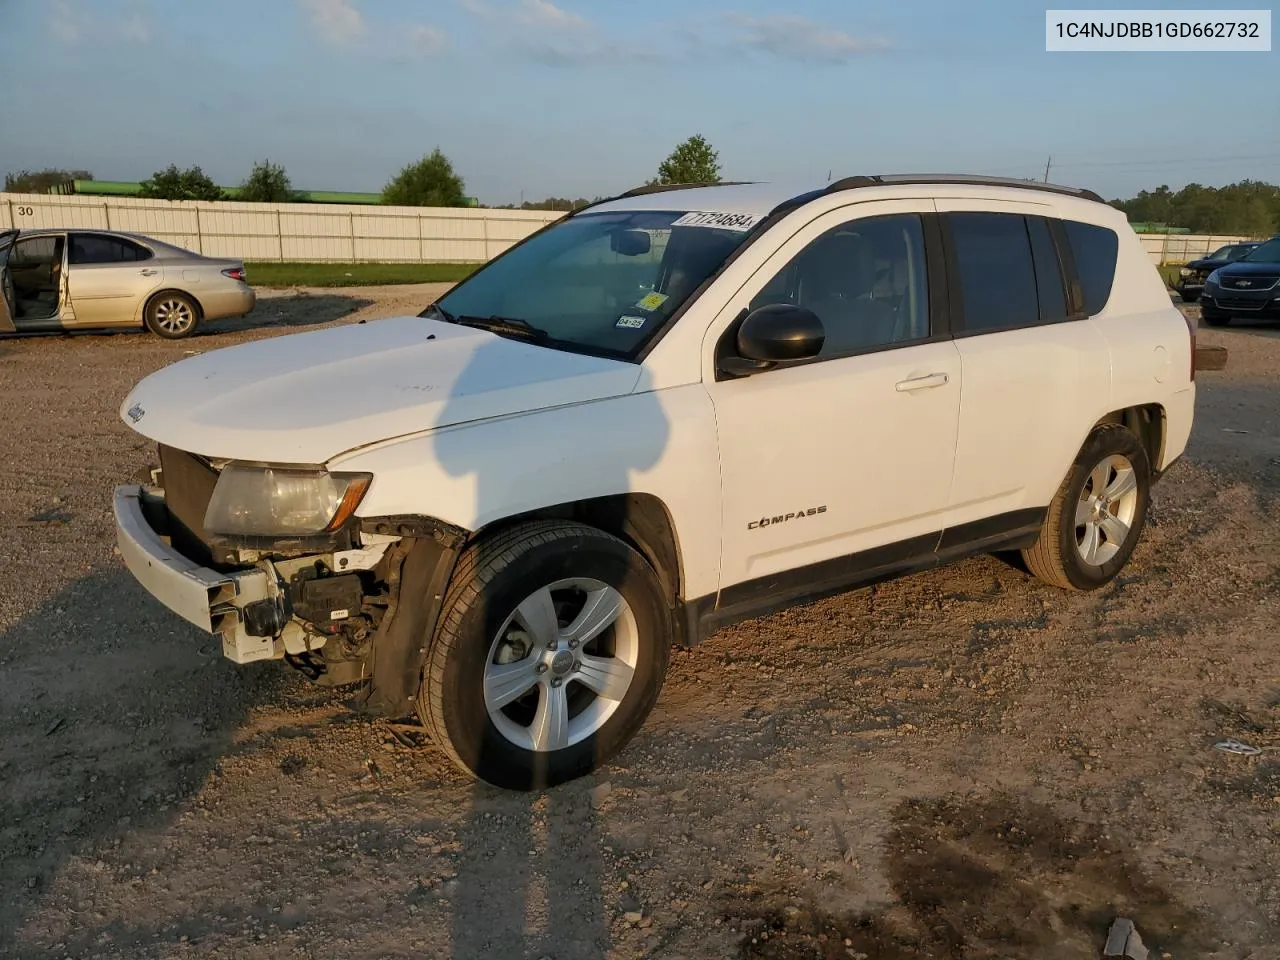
pixel 741 222
pixel 651 301
pixel 630 323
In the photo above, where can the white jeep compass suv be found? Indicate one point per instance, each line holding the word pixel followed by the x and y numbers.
pixel 664 413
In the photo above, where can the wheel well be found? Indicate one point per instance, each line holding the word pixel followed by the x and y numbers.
pixel 1147 423
pixel 182 293
pixel 639 519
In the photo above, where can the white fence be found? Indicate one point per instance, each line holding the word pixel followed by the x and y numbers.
pixel 307 232
pixel 322 232
pixel 1182 248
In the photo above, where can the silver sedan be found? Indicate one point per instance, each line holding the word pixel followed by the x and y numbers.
pixel 98 279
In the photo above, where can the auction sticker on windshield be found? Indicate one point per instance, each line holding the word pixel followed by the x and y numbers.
pixel 630 323
pixel 651 301
pixel 720 221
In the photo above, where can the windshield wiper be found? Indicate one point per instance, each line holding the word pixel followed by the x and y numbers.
pixel 505 326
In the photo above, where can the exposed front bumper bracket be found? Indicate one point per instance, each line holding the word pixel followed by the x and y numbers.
pixel 211 599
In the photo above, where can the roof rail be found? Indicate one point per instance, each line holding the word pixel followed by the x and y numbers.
pixel 850 183
pixel 664 187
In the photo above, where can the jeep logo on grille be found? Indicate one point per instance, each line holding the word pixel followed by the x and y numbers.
pixel 136 413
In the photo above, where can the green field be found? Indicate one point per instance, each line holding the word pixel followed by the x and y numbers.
pixel 266 274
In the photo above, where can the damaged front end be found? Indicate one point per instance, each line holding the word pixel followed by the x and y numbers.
pixel 352 604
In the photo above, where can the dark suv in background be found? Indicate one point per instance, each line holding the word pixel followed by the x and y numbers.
pixel 1249 287
pixel 1191 277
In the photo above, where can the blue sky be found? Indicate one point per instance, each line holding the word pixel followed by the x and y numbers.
pixel 581 98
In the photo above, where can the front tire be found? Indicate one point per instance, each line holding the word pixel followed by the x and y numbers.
pixel 1097 515
pixel 1190 296
pixel 172 315
pixel 551 651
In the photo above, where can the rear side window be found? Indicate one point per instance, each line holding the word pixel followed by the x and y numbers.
pixel 1094 249
pixel 996 270
pixel 94 248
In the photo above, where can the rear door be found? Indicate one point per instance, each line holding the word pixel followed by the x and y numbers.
pixel 1033 365
pixel 108 278
pixel 6 286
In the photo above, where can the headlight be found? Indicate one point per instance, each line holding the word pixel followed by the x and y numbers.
pixel 1212 278
pixel 282 501
pixel 1186 271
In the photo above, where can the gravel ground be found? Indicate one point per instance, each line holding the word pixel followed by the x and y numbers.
pixel 964 763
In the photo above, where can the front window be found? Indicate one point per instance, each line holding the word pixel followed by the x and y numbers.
pixel 1268 252
pixel 601 282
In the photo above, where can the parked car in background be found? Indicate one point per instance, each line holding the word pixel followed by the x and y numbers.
pixel 1249 287
pixel 1191 277
pixel 97 279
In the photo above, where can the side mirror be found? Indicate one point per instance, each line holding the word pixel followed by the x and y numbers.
pixel 629 243
pixel 780 332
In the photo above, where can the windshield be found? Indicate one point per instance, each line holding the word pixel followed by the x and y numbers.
pixel 1268 252
pixel 605 282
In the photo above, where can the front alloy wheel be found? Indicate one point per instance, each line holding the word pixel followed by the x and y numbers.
pixel 551 650
pixel 561 664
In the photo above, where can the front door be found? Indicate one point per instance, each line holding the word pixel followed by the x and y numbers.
pixel 109 278
pixel 842 464
pixel 35 267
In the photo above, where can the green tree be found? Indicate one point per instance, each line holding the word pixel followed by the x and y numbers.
pixel 174 184
pixel 430 182
pixel 693 161
pixel 1248 208
pixel 267 183
pixel 41 181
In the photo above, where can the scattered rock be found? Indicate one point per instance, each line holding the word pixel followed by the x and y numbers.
pixel 598 795
pixel 633 916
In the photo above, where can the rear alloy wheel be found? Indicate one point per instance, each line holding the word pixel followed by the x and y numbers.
pixel 552 648
pixel 1096 517
pixel 172 316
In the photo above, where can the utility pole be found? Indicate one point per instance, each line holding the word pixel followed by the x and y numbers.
pixel 1047 165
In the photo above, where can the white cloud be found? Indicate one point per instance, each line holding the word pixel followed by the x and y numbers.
pixel 478 8
pixel 335 20
pixel 546 15
pixel 137 25
pixel 426 39
pixel 791 37
pixel 67 21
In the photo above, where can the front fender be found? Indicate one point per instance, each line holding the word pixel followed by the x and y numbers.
pixel 661 443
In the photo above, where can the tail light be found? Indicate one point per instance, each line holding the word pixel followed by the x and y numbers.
pixel 235 273
pixel 1191 332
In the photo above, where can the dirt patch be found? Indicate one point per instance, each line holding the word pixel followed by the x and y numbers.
pixel 862 760
pixel 995 877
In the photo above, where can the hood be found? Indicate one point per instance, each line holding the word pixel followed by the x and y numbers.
pixel 1250 268
pixel 1208 264
pixel 306 397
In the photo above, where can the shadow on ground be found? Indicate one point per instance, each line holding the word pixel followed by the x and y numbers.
pixel 112 714
pixel 289 311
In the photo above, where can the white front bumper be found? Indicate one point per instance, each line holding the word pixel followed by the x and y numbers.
pixel 210 599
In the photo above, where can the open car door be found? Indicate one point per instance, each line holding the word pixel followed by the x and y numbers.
pixel 6 285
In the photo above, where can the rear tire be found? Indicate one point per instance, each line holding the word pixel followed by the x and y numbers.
pixel 1096 517
pixel 172 315
pixel 551 651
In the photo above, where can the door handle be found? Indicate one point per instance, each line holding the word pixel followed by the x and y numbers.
pixel 148 273
pixel 922 383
